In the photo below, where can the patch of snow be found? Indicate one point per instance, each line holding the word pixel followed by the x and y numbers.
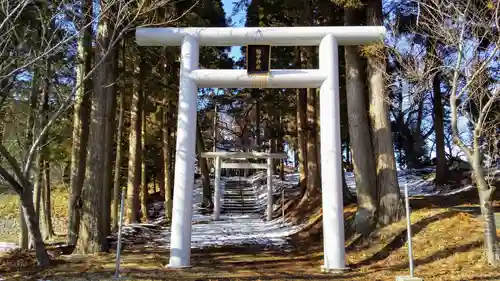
pixel 231 230
pixel 418 184
pixel 235 229
pixel 456 191
pixel 5 246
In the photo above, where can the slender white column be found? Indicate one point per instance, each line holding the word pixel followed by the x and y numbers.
pixel 217 189
pixel 331 165
pixel 269 189
pixel 180 241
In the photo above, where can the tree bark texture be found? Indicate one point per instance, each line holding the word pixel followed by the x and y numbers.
pixel 441 169
pixel 47 212
pixel 167 153
pixel 134 160
pixel 111 65
pixel 118 163
pixel 47 203
pixel 486 196
pixel 207 190
pixel 359 134
pixel 389 197
pixel 33 226
pixel 144 180
pixel 81 121
pixel 96 190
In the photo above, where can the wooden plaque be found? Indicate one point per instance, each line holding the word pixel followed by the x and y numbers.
pixel 258 59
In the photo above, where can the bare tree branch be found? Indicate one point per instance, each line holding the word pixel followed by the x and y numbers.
pixel 117 36
pixel 12 162
pixel 11 180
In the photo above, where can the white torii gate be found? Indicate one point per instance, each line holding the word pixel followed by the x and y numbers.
pixel 326 78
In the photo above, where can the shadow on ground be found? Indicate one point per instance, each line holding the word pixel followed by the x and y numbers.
pixel 400 239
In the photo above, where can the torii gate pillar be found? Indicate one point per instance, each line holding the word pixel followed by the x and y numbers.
pixel 326 78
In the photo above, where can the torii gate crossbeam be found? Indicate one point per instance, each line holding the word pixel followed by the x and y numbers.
pixel 326 78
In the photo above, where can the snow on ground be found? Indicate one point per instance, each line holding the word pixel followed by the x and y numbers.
pixel 418 184
pixel 5 246
pixel 236 229
pixel 240 229
pixel 231 230
pixel 244 229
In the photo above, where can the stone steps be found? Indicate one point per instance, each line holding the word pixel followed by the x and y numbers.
pixel 239 197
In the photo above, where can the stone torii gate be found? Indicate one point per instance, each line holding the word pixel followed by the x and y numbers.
pixel 326 78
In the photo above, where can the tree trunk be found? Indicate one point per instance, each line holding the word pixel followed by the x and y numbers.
pixel 257 119
pixel 33 226
pixel 38 165
pixel 486 193
pixel 301 129
pixel 161 161
pixel 167 154
pixel 24 241
pixel 111 67
pixel 418 143
pixel 144 180
pixel 47 210
pixel 118 162
pixel 81 120
pixel 359 135
pixel 38 184
pixel 313 178
pixel 163 136
pixel 24 231
pixel 96 189
pixel 301 136
pixel 207 191
pixel 274 135
pixel 168 132
pixel 134 162
pixel 389 197
pixel 89 240
pixel 280 145
pixel 24 190
pixel 441 169
pixel 313 170
pixel 308 58
pixel 90 236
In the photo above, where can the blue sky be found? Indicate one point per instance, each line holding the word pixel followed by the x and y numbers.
pixel 237 20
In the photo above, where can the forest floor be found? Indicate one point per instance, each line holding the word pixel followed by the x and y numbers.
pixel 447 245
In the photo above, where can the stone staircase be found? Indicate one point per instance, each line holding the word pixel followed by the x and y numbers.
pixel 239 197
